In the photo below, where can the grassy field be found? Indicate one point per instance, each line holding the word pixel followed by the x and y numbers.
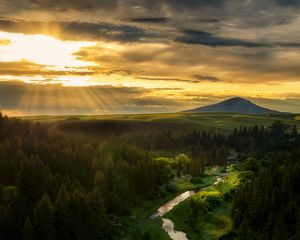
pixel 169 121
pixel 212 224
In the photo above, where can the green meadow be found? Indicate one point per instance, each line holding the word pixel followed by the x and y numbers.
pixel 183 121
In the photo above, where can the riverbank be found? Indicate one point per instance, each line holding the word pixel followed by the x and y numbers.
pixel 140 226
pixel 213 218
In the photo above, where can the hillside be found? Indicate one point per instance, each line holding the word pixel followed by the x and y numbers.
pixel 235 105
pixel 175 122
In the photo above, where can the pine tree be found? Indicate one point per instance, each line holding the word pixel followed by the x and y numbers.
pixel 279 232
pixel 294 133
pixel 97 223
pixel 244 232
pixel 6 222
pixel 79 215
pixel 27 230
pixel 99 180
pixel 62 214
pixel 43 220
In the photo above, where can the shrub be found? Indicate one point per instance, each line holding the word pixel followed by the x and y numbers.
pixel 196 180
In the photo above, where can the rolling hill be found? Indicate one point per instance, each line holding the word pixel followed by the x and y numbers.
pixel 121 124
pixel 235 105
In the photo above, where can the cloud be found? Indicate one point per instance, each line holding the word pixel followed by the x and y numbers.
pixel 209 20
pixel 20 68
pixel 64 5
pixel 169 79
pixel 244 42
pixel 150 19
pixel 294 3
pixel 207 78
pixel 191 36
pixel 195 79
pixel 180 62
pixel 60 5
pixel 26 68
pixel 243 12
pixel 77 30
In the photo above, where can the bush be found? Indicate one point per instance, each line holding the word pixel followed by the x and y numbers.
pixel 196 180
pixel 228 196
pixel 171 187
pixel 211 199
pixel 214 199
pixel 246 176
pixel 228 236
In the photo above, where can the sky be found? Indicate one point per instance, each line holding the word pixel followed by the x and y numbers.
pixel 145 56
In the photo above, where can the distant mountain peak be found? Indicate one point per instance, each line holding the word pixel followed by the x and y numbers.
pixel 236 99
pixel 235 105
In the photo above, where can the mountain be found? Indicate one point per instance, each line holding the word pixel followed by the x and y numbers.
pixel 234 105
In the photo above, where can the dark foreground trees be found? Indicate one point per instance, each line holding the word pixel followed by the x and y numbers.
pixel 54 186
pixel 268 207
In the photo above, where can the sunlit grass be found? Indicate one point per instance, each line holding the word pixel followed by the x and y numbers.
pixel 184 121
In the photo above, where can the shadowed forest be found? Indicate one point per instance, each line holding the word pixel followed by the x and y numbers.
pixel 55 185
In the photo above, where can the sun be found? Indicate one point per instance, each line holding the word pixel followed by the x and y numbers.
pixel 55 54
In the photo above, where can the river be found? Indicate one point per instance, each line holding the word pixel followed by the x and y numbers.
pixel 168 225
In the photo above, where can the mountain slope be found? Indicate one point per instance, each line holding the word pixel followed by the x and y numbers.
pixel 234 105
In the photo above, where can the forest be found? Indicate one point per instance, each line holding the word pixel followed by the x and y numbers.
pixel 54 185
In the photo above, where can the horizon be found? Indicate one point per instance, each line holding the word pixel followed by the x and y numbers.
pixel 100 57
pixel 184 111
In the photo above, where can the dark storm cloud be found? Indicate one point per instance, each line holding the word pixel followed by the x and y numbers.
pixel 191 36
pixel 288 2
pixel 150 19
pixel 241 10
pixel 76 30
pixel 217 16
pixel 287 44
pixel 212 20
pixel 178 4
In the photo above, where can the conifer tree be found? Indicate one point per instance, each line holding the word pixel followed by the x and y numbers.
pixel 43 220
pixel 27 232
